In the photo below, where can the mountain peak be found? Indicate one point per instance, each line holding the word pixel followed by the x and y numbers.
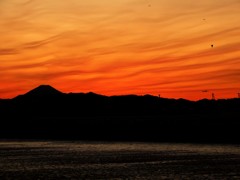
pixel 43 90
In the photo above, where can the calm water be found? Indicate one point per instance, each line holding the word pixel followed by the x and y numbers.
pixel 82 160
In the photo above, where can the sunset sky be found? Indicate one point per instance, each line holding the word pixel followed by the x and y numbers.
pixel 116 47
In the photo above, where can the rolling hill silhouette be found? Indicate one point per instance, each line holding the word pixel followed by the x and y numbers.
pixel 47 113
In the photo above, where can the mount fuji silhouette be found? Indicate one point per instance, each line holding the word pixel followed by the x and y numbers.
pixel 43 90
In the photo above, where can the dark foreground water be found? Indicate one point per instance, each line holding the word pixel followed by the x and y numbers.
pixel 83 160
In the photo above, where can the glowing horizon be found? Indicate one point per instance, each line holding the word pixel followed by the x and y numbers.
pixel 121 47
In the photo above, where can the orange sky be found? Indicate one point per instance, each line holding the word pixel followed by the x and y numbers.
pixel 121 47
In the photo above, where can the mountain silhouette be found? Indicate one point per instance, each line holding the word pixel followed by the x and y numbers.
pixel 42 91
pixel 47 113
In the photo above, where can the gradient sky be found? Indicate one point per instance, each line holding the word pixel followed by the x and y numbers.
pixel 121 47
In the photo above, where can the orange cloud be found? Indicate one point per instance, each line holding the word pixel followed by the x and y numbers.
pixel 121 47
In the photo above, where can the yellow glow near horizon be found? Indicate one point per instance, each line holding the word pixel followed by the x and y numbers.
pixel 121 47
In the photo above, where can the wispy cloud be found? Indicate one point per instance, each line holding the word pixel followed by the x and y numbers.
pixel 8 52
pixel 118 47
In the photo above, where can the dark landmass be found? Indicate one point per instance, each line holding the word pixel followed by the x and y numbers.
pixel 46 113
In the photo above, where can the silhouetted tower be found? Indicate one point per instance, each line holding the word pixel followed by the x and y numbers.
pixel 213 96
pixel 160 95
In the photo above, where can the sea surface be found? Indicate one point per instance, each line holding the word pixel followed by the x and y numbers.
pixel 109 160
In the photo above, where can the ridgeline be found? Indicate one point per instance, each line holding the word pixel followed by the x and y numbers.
pixel 46 113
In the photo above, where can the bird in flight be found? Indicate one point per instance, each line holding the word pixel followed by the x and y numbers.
pixel 212 45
